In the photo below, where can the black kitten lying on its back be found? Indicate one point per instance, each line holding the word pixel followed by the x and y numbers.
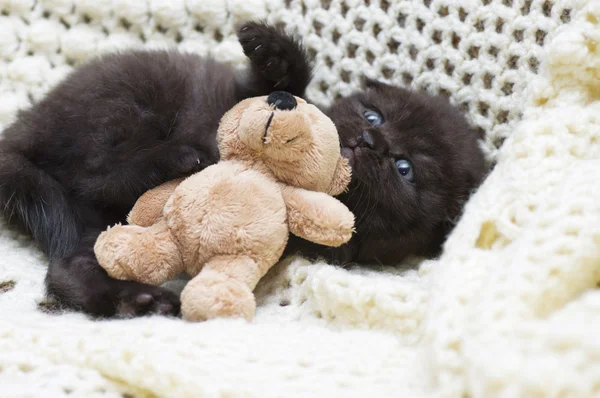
pixel 75 162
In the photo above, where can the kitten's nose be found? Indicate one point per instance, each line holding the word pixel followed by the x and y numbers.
pixel 365 139
pixel 282 100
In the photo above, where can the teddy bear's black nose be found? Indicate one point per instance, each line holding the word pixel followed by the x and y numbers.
pixel 282 100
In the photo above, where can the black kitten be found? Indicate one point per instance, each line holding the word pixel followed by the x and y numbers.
pixel 415 161
pixel 76 162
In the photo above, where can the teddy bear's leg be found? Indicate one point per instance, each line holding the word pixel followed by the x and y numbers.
pixel 222 289
pixel 144 254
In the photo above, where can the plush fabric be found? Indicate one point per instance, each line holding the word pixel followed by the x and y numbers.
pixel 511 308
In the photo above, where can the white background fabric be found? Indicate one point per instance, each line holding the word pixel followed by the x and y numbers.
pixel 510 309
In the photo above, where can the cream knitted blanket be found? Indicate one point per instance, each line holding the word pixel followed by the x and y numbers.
pixel 510 309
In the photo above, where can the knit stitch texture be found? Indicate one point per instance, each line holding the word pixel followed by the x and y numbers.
pixel 510 309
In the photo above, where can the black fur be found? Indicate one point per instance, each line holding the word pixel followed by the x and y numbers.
pixel 121 124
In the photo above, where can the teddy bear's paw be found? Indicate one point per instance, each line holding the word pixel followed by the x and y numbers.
pixel 213 295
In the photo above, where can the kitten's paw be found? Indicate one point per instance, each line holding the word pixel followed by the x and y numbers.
pixel 277 57
pixel 137 299
pixel 186 160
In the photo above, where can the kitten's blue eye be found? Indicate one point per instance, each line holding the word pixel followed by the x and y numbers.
pixel 373 117
pixel 406 169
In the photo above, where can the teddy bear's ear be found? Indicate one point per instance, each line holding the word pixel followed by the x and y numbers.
pixel 341 177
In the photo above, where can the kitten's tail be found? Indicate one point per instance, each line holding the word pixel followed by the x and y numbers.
pixel 39 204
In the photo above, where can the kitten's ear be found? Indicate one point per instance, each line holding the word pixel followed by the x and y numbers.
pixel 368 82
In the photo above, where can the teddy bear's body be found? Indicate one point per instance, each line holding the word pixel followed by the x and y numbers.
pixel 228 224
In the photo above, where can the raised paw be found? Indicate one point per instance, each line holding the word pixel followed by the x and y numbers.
pixel 277 57
pixel 137 299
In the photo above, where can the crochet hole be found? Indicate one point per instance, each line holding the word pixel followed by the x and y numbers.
pixel 352 50
pixel 484 108
pixel 437 37
pixel 547 8
pixel 412 51
pixel 508 3
pixel 430 64
pixel 493 51
pixel 49 307
pixel 125 23
pixel 540 36
pixel 318 26
pixel 335 36
pixel 401 20
pixel 455 40
pixel 498 141
pixel 488 235
pixel 592 47
pixel 420 25
pixel 502 117
pixel 488 80
pixel 534 64
pixel 526 7
pixel 359 23
pixel 407 78
pixel 393 45
pixel 384 5
pixel 507 88
pixel 387 72
pixel 284 303
pixel 370 57
pixel 427 3
pixel 344 9
pixel 499 25
pixel 376 30
pixel 479 25
pixel 443 11
pixel 449 67
pixel 462 14
pixel 513 61
pixel 565 17
pixel 345 75
pixel 518 34
pixel 7 286
pixel 473 52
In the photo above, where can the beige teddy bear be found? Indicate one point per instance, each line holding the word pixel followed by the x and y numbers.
pixel 228 224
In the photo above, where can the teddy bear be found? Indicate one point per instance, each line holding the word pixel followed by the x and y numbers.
pixel 225 226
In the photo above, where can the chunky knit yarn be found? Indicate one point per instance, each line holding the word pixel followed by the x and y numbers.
pixel 511 308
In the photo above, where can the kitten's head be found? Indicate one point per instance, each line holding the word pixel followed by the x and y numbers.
pixel 415 161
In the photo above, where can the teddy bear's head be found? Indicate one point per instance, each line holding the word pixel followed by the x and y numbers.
pixel 294 139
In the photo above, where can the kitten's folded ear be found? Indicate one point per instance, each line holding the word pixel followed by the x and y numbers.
pixel 368 82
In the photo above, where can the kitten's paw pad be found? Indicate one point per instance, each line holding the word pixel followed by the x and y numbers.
pixel 270 51
pixel 138 299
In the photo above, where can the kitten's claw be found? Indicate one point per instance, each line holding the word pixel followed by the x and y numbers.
pixel 276 57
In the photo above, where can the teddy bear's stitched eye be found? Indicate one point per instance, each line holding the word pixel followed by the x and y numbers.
pixel 291 140
pixel 373 117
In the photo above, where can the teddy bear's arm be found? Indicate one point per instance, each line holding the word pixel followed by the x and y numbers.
pixel 148 208
pixel 318 217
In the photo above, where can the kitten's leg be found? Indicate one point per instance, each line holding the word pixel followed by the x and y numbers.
pixel 277 61
pixel 79 282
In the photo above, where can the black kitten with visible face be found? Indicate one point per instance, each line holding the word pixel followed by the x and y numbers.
pixel 75 162
pixel 415 161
